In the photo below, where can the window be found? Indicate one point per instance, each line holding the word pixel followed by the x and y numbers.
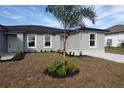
pixel 47 41
pixel 31 41
pixel 109 42
pixel 92 40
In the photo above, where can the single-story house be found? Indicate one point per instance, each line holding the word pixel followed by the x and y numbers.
pixel 115 36
pixel 36 38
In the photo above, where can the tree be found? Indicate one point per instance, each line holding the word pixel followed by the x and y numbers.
pixel 71 16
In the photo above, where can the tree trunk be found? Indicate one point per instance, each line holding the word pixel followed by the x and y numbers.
pixel 64 46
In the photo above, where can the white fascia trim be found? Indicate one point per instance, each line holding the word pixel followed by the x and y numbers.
pixel 95 40
pixel 50 41
pixel 35 41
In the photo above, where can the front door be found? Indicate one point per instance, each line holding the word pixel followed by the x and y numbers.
pixel 12 43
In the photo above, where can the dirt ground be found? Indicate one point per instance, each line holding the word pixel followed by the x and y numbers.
pixel 94 72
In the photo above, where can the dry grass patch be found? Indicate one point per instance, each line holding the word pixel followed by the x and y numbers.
pixel 94 72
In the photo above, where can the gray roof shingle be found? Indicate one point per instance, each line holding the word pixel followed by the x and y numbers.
pixel 115 29
pixel 43 29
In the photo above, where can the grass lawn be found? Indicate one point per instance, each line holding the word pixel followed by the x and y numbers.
pixel 115 50
pixel 94 72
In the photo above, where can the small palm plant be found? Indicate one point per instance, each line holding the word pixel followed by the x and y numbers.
pixel 71 17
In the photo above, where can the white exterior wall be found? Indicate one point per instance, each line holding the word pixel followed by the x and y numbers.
pixel 116 38
pixel 79 42
pixel 2 42
pixel 40 43
pixel 73 43
pixel 61 42
pixel 20 42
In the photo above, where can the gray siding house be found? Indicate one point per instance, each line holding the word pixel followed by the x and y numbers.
pixel 36 38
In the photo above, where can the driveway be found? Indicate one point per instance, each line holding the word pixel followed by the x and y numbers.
pixel 109 56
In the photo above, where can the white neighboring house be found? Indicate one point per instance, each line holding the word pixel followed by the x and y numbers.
pixel 115 37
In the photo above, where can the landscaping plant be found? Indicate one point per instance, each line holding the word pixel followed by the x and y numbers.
pixel 18 56
pixel 71 17
pixel 122 45
pixel 62 68
pixel 41 50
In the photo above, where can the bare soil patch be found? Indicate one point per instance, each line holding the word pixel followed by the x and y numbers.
pixel 29 72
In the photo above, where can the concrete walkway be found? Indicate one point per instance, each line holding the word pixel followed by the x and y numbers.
pixel 7 56
pixel 109 56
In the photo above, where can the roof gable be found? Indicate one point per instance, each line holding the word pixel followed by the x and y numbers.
pixel 116 29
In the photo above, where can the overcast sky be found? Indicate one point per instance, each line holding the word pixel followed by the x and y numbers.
pixel 35 15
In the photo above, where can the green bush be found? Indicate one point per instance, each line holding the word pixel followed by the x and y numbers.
pixel 122 45
pixel 53 66
pixel 19 56
pixel 34 51
pixel 41 51
pixel 73 54
pixel 62 68
pixel 29 51
pixel 80 53
pixel 58 51
pixel 72 67
pixel 70 53
pixel 51 50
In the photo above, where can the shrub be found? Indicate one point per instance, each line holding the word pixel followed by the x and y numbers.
pixel 51 50
pixel 28 51
pixel 34 51
pixel 72 67
pixel 58 51
pixel 66 53
pixel 80 53
pixel 73 54
pixel 61 51
pixel 53 66
pixel 70 53
pixel 18 56
pixel 62 68
pixel 122 45
pixel 41 51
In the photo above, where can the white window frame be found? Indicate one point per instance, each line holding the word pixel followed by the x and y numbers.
pixel 50 41
pixel 34 41
pixel 95 46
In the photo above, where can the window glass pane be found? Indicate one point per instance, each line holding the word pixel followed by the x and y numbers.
pixel 47 43
pixel 47 37
pixel 31 40
pixel 109 40
pixel 92 36
pixel 92 43
pixel 31 37
pixel 31 44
